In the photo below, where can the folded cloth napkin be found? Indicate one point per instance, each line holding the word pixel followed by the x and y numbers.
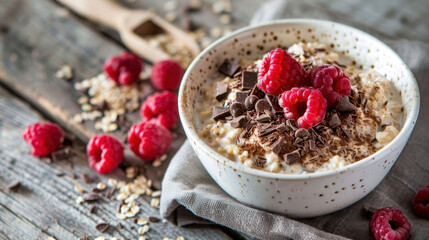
pixel 190 196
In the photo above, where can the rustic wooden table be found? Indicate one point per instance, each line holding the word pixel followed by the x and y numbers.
pixel 38 37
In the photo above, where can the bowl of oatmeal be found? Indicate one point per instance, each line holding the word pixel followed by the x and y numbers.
pixel 300 117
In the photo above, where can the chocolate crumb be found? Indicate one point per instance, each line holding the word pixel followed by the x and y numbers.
pixel 291 157
pixel 249 79
pixel 102 227
pixel 260 162
pixel 277 146
pixel 334 121
pixel 110 193
pixel 237 109
pixel 238 122
pixel 250 102
pixel 153 219
pixel 119 225
pixel 262 105
pixel 345 105
pixel 60 174
pixel 221 91
pixel 220 113
pixel 228 68
pixel 86 178
pixel 92 209
pixel 91 197
pixel 13 187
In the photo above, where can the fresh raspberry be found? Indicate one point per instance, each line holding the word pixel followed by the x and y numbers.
pixel 166 75
pixel 421 203
pixel 162 108
pixel 105 153
pixel 307 106
pixel 331 81
pixel 279 72
pixel 389 224
pixel 44 137
pixel 124 69
pixel 149 140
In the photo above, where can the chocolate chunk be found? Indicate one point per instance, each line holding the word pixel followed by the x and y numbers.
pixel 102 227
pixel 249 79
pixel 291 157
pixel 347 132
pixel 250 102
pixel 153 219
pixel 263 118
pixel 292 124
pixel 302 133
pixel 86 178
pixel 312 145
pixel 282 128
pixel 266 131
pixel 221 91
pixel 220 113
pixel 334 121
pixel 91 197
pixel 12 187
pixel 238 121
pixel 241 97
pixel 274 103
pixel 345 105
pixel 237 109
pixel 257 92
pixel 260 162
pixel 228 68
pixel 92 209
pixel 262 105
pixel 277 146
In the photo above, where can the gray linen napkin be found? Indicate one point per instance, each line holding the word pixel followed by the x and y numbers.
pixel 190 196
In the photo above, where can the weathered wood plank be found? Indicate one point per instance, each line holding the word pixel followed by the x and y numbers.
pixel 46 201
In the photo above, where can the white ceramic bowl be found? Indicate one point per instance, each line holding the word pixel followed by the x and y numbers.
pixel 310 194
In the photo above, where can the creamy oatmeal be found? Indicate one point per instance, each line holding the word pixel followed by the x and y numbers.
pixel 260 136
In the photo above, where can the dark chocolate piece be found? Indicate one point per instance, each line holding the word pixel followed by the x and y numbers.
pixel 241 97
pixel 237 109
pixel 334 121
pixel 302 133
pixel 238 122
pixel 274 103
pixel 228 68
pixel 262 105
pixel 12 187
pixel 347 132
pixel 153 219
pixel 277 146
pixel 292 124
pixel 102 227
pixel 260 162
pixel 267 131
pixel 221 91
pixel 282 128
pixel 291 157
pixel 249 79
pixel 220 113
pixel 263 118
pixel 312 145
pixel 250 102
pixel 257 92
pixel 91 197
pixel 345 105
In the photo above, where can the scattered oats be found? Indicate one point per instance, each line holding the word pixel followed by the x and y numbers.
pixel 79 200
pixel 154 202
pixel 79 188
pixel 170 6
pixel 86 107
pixel 143 230
pixel 225 19
pixel 50 238
pixel 142 238
pixel 195 4
pixel 216 32
pixel 100 238
pixel 77 118
pixel 121 216
pixel 129 214
pixel 101 186
pixel 205 42
pixel 65 72
pixel 170 16
pixel 165 238
pixel 124 208
pixel 180 238
pixel 114 238
pixel 156 163
pixel 149 192
pixel 112 182
pixel 141 221
pixel 131 172
pixel 120 184
pixel 163 157
pixel 135 209
pixel 218 7
pixel 121 196
pixel 156 194
pixel 82 100
pixel 176 48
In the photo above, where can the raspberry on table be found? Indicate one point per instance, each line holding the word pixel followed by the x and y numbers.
pixel 162 108
pixel 389 224
pixel 421 203
pixel 279 72
pixel 149 140
pixel 105 153
pixel 166 75
pixel 43 137
pixel 331 81
pixel 124 69
pixel 306 106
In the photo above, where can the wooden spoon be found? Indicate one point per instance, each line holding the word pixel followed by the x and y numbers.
pixel 132 25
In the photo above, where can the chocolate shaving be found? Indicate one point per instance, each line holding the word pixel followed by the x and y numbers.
pixel 282 128
pixel 345 105
pixel 238 122
pixel 91 197
pixel 266 131
pixel 228 68
pixel 221 91
pixel 263 118
pixel 277 146
pixel 334 121
pixel 249 79
pixel 220 113
pixel 292 124
pixel 291 157
pixel 257 92
pixel 102 227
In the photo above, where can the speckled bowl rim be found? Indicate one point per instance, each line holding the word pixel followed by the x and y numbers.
pixel 199 143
